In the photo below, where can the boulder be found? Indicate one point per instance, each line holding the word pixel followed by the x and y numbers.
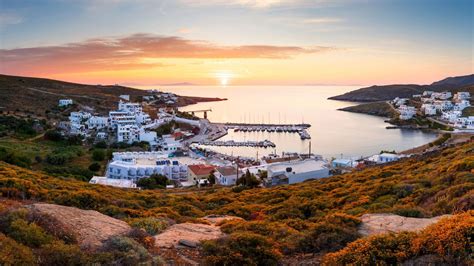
pixel 187 234
pixel 89 228
pixel 379 223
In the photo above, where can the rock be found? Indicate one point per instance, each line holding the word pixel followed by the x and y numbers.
pixel 379 223
pixel 188 243
pixel 188 232
pixel 215 219
pixel 89 228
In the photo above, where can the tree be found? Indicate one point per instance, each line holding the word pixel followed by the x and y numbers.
pixel 98 155
pixel 211 178
pixel 153 182
pixel 248 180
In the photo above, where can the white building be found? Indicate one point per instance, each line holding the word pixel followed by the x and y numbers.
pixel 125 97
pixel 442 95
pixel 461 105
pixel 227 175
pixel 399 101
pixel 79 117
pixel 451 116
pixel 65 102
pixel 406 112
pixel 98 122
pixel 428 109
pixel 384 158
pixel 297 171
pixel 129 107
pixel 343 163
pixel 133 133
pixel 122 183
pixel 462 95
pixel 465 122
pixel 427 93
pixel 443 105
pixel 136 165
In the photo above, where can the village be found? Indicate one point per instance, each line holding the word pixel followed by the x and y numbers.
pixel 441 107
pixel 179 155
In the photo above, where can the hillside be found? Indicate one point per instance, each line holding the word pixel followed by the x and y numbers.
pixel 37 95
pixel 373 108
pixel 284 222
pixel 389 92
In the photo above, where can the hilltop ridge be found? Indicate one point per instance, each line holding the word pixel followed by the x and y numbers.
pixel 388 92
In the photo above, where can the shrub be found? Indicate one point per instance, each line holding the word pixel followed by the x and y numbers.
pixel 326 236
pixel 243 249
pixel 13 253
pixel 57 159
pixel 98 155
pixel 94 167
pixel 58 253
pixel 153 182
pixel 151 225
pixel 28 234
pixel 128 251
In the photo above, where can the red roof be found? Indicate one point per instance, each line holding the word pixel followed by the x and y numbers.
pixel 201 169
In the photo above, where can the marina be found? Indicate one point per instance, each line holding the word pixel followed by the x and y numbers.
pixel 232 143
pixel 278 128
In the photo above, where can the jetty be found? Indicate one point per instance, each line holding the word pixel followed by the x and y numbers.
pixel 232 143
pixel 301 129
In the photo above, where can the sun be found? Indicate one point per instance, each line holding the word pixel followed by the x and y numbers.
pixel 224 77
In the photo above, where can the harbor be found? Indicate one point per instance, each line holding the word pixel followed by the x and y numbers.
pixel 300 129
pixel 232 143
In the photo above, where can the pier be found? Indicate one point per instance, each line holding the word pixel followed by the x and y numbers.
pixel 301 129
pixel 232 143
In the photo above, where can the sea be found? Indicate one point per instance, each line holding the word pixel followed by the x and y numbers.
pixel 334 133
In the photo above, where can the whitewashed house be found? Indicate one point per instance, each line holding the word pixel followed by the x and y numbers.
pixel 461 105
pixel 451 116
pixel 384 158
pixel 427 93
pixel 98 122
pixel 79 117
pixel 65 102
pixel 465 122
pixel 297 171
pixel 442 95
pixel 399 101
pixel 136 165
pixel 428 109
pixel 462 95
pixel 443 105
pixel 406 112
pixel 227 175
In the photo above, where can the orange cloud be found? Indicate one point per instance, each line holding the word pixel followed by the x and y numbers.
pixel 138 51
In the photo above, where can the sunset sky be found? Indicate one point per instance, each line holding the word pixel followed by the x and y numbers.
pixel 237 42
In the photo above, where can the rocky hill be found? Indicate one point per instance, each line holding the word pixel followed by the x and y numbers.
pixel 389 92
pixel 38 95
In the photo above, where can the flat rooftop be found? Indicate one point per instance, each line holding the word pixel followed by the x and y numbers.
pixel 299 166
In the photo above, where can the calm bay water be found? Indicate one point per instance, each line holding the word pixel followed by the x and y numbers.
pixel 334 133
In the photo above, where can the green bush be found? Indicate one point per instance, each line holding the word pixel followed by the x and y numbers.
pixel 28 234
pixel 53 135
pixel 13 253
pixel 58 253
pixel 129 250
pixel 151 225
pixel 98 155
pixel 153 182
pixel 241 249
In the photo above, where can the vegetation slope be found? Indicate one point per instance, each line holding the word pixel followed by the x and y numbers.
pixel 318 216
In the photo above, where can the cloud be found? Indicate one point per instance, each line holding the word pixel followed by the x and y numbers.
pixel 136 51
pixel 245 3
pixel 322 20
pixel 9 19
